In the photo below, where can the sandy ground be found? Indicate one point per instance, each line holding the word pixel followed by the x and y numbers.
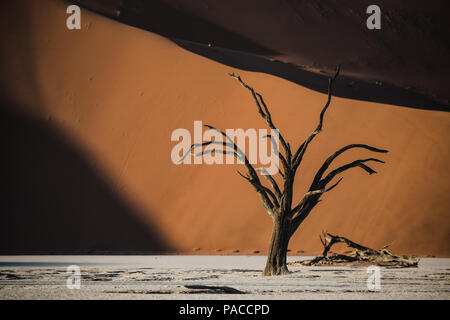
pixel 165 277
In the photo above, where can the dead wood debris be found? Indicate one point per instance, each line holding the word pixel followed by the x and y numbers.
pixel 361 255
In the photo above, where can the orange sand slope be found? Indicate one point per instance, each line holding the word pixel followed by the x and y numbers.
pixel 113 94
pixel 409 52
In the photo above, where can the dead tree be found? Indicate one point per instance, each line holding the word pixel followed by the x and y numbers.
pixel 278 202
pixel 361 254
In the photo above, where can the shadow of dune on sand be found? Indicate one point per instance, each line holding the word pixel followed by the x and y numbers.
pixel 54 201
pixel 192 27
pixel 154 16
pixel 196 31
pixel 346 87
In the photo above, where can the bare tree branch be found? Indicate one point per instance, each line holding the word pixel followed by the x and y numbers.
pixel 265 114
pixel 272 182
pixel 260 188
pixel 334 185
pixel 280 172
pixel 203 152
pixel 304 212
pixel 330 159
pixel 305 198
pixel 280 156
pixel 264 192
pixel 301 150
pixel 204 144
pixel 357 163
pixel 235 147
pixel 309 194
pixel 305 206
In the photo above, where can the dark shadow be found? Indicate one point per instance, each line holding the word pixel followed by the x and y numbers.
pixel 154 16
pixel 54 201
pixel 210 40
pixel 345 87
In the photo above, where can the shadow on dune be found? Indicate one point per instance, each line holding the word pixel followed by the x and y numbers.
pixel 345 88
pixel 54 201
pixel 195 32
pixel 168 21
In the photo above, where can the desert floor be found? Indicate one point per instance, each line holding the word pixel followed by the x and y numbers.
pixel 166 277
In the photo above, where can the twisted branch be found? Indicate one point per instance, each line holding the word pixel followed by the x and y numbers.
pixel 357 163
pixel 265 114
pixel 280 156
pixel 261 188
pixel 309 195
pixel 272 182
pixel 253 178
pixel 302 149
pixel 330 159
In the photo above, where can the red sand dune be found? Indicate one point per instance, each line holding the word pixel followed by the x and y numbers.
pixel 116 93
pixel 410 51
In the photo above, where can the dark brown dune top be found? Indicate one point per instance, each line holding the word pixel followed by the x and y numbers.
pixel 405 63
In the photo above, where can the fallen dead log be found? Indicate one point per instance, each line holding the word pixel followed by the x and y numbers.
pixel 360 255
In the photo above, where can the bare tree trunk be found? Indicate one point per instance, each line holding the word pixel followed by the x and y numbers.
pixel 276 258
